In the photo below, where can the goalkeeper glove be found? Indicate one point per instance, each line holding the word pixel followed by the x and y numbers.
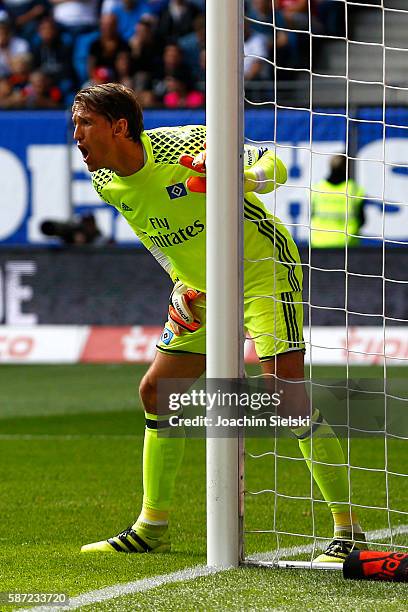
pixel 181 317
pixel 198 184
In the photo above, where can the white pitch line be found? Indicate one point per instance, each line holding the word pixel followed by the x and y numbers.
pixel 119 590
pixel 145 584
pixel 372 536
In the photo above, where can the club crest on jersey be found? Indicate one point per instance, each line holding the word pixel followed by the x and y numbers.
pixel 166 336
pixel 176 191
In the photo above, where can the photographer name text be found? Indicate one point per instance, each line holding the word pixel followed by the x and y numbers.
pixel 244 421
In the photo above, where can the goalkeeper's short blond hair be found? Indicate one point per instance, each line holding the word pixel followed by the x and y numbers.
pixel 113 101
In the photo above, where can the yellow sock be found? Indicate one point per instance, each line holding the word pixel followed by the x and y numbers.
pixel 162 457
pixel 346 521
pixel 328 469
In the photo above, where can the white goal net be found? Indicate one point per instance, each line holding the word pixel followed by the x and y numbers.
pixel 328 83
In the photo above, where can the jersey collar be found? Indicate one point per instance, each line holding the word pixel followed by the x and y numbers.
pixel 141 175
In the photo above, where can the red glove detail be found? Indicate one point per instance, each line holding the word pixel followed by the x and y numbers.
pixel 196 184
pixel 180 315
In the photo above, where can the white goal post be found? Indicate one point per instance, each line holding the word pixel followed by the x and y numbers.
pixel 225 100
pixel 225 95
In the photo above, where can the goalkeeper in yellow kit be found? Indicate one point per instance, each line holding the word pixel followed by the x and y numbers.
pixel 155 179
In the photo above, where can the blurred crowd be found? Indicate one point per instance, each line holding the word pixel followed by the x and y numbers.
pixel 50 48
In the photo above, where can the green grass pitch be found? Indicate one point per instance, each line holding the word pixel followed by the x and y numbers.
pixel 70 473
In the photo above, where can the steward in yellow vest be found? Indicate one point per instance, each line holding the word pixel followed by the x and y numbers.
pixel 337 208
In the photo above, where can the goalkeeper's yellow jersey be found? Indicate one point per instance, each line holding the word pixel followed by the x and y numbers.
pixel 171 221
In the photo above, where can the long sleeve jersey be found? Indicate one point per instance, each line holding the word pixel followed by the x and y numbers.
pixel 171 221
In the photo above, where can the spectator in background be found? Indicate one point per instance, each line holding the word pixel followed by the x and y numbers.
pixel 337 213
pixel 173 66
pixel 128 15
pixel 104 50
pixel 124 72
pixel 139 82
pixel 107 6
pixel 9 98
pixel 53 55
pixel 180 95
pixel 256 46
pixel 177 20
pixel 99 75
pixel 154 6
pixel 145 54
pixel 20 69
pixel 76 17
pixel 200 75
pixel 158 6
pixel 193 43
pixel 12 86
pixel 284 42
pixel 9 45
pixel 41 93
pixel 25 15
pixel 147 99
pixel 261 10
pixel 295 13
pixel 176 88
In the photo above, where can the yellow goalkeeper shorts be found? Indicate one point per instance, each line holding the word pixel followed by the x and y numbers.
pixel 274 323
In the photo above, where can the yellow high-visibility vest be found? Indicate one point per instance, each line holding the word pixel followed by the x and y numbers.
pixel 336 210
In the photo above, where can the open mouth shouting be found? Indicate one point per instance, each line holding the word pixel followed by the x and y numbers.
pixel 84 153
